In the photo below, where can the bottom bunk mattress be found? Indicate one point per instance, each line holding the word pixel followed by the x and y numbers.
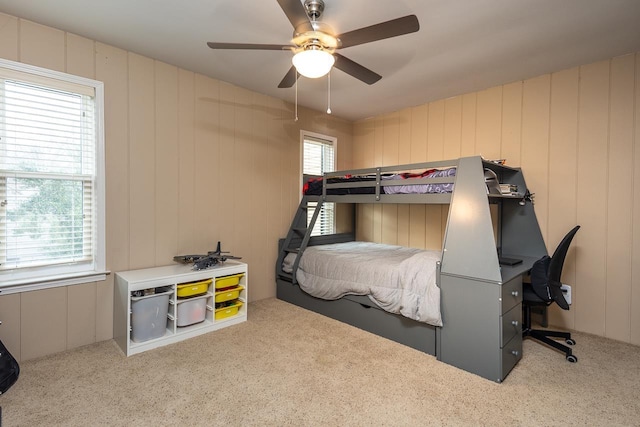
pixel 399 280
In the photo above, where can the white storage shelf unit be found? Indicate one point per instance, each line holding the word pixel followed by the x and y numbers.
pixel 180 311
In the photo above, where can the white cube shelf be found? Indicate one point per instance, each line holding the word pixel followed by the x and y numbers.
pixel 131 285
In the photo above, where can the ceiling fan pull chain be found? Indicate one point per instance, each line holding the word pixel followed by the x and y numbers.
pixel 296 118
pixel 329 92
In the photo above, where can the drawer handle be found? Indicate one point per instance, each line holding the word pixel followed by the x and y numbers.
pixel 514 293
pixel 515 323
pixel 516 353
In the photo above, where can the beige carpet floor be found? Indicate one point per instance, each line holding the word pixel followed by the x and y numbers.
pixel 290 367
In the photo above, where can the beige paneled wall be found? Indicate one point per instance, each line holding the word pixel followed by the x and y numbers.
pixel 190 160
pixel 576 134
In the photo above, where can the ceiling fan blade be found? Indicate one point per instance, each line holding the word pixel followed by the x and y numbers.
pixel 297 14
pixel 214 45
pixel 356 70
pixel 289 78
pixel 384 30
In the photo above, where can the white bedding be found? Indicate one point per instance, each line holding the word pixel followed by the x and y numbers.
pixel 398 279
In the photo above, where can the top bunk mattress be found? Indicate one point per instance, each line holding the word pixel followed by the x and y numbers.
pixel 399 280
pixel 313 187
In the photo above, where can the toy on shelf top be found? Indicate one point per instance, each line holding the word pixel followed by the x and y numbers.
pixel 201 262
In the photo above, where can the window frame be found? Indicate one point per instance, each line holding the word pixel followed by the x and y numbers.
pixel 27 279
pixel 333 141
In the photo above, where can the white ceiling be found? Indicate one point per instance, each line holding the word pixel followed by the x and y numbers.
pixel 462 45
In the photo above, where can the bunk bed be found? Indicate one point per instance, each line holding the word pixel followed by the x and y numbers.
pixel 474 319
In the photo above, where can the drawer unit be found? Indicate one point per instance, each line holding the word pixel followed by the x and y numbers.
pixel 359 311
pixel 186 307
pixel 511 324
pixel 482 325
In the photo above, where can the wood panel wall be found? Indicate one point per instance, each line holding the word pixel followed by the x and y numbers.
pixel 190 160
pixel 576 134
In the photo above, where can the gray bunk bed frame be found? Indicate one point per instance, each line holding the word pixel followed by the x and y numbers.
pixel 480 299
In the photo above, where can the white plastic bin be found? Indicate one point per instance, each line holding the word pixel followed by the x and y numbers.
pixel 149 316
pixel 192 310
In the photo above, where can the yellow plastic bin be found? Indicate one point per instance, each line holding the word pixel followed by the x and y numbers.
pixel 228 294
pixel 228 281
pixel 228 311
pixel 186 290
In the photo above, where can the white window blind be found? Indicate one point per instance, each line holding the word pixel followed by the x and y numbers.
pixel 49 153
pixel 319 157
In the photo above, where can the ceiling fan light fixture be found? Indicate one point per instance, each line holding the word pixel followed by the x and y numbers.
pixel 313 62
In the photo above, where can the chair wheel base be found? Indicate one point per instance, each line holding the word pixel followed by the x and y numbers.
pixel 547 337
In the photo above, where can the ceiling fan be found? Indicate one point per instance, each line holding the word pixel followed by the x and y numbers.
pixel 314 43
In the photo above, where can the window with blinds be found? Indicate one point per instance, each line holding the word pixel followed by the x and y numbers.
pixel 318 158
pixel 49 197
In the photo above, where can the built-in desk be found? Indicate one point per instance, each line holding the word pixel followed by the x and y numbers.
pixel 481 299
pixel 511 271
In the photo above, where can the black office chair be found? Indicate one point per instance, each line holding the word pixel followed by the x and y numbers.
pixel 544 289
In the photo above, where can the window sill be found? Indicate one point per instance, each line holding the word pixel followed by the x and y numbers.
pixel 12 287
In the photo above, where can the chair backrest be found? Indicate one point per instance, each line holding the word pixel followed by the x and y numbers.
pixel 557 259
pixel 540 278
pixel 546 272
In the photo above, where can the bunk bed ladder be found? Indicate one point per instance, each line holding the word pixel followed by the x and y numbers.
pixel 300 232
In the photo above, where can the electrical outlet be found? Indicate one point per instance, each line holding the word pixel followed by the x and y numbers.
pixel 566 290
